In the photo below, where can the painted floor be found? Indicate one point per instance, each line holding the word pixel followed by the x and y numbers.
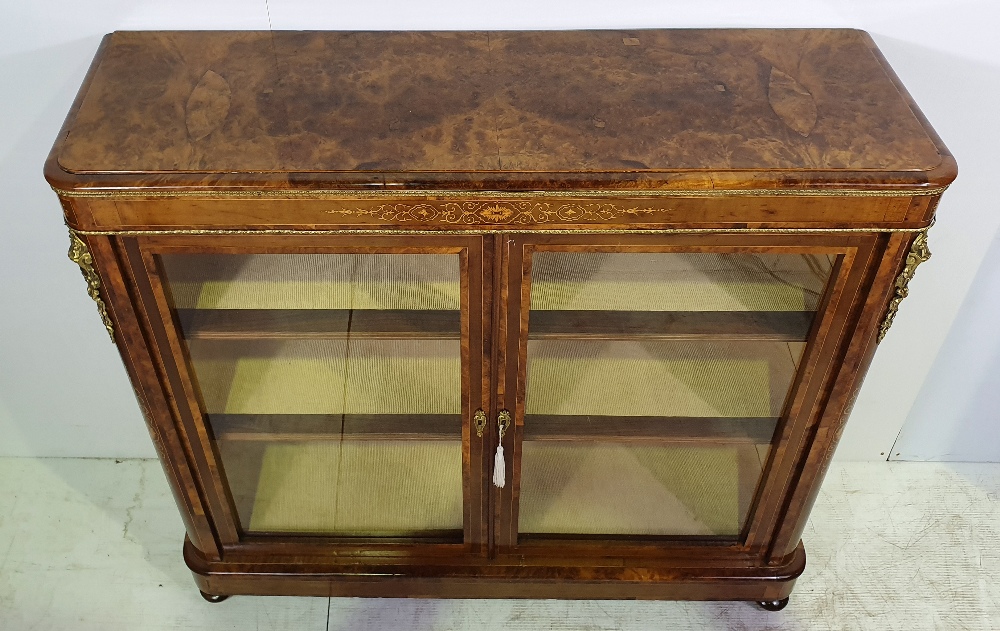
pixel 95 544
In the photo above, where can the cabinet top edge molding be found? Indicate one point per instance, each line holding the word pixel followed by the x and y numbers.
pixel 643 111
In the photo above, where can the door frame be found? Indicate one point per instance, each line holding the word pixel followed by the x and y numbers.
pixel 808 394
pixel 139 257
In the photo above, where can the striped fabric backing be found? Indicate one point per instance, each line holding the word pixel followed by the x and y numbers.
pixel 315 376
pixel 606 281
pixel 615 489
pixel 585 280
pixel 357 488
pixel 660 378
pixel 313 281
pixel 367 376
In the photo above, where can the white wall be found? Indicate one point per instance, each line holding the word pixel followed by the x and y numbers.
pixel 63 390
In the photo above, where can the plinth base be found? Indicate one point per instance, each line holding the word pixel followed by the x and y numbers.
pixel 496 578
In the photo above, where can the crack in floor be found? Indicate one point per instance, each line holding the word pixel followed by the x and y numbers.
pixel 136 503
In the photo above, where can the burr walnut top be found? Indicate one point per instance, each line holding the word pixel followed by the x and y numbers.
pixel 690 109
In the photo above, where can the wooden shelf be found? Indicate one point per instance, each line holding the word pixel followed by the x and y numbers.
pixel 756 430
pixel 323 323
pixel 307 427
pixel 339 323
pixel 676 429
pixel 730 325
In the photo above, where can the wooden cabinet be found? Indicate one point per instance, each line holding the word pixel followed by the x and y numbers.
pixel 498 315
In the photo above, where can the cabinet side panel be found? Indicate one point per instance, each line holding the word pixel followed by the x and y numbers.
pixel 146 380
pixel 844 390
pixel 795 431
pixel 172 356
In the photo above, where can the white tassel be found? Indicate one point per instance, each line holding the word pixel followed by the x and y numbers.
pixel 499 469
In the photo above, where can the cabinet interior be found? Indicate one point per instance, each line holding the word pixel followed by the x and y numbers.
pixel 331 384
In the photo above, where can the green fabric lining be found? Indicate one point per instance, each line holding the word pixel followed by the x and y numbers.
pixel 655 378
pixel 330 376
pixel 615 489
pixel 357 488
pixel 314 281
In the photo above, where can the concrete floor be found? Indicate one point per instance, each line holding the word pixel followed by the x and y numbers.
pixel 95 544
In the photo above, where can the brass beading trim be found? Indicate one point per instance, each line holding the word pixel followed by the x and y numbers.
pixel 586 230
pixel 389 194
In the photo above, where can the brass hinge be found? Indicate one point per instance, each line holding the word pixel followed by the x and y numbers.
pixel 919 252
pixel 80 254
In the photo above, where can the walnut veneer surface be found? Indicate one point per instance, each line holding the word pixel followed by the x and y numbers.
pixel 647 109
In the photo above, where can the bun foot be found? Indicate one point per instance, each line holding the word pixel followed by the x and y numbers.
pixel 212 598
pixel 773 605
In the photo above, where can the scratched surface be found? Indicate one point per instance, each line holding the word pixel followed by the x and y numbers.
pixel 91 544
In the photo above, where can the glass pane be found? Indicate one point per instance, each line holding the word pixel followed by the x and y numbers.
pixel 332 385
pixel 654 386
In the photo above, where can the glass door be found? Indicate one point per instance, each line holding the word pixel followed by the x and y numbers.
pixel 651 381
pixel 334 385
